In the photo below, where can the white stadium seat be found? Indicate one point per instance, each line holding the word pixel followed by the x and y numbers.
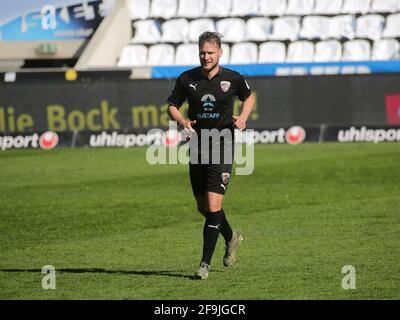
pixel 285 28
pixel 198 26
pixel 300 51
pixel 272 52
pixel 165 9
pixel 370 26
pixel 272 7
pixel 342 27
pixel 258 29
pixel 330 7
pixel 161 55
pixel 385 6
pixel 232 29
pixel 175 30
pixel 187 54
pixel 191 8
pixel 299 7
pixel 315 27
pixel 328 51
pixel 386 49
pixel 217 9
pixel 244 8
pixel 356 6
pixel 146 31
pixel 392 28
pixel 138 9
pixel 244 53
pixel 133 56
pixel 356 50
pixel 226 50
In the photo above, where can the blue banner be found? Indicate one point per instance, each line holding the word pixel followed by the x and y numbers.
pixel 51 23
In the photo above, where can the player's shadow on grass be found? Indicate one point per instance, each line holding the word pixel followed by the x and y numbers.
pixel 100 270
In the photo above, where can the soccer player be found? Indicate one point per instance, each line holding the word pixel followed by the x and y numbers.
pixel 210 90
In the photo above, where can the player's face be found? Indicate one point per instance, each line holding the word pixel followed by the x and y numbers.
pixel 209 55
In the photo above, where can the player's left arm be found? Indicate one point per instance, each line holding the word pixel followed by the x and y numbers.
pixel 248 104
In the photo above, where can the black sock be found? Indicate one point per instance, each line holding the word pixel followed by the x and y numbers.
pixel 225 229
pixel 211 229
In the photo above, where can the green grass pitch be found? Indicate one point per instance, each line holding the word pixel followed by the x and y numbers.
pixel 115 227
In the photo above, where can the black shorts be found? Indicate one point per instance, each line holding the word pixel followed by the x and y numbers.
pixel 206 176
pixel 209 178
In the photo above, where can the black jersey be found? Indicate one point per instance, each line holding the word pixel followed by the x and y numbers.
pixel 210 100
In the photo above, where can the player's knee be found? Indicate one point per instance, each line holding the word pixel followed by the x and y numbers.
pixel 213 207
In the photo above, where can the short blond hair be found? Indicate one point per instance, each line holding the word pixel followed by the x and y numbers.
pixel 209 36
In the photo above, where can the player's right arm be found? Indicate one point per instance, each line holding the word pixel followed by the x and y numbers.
pixel 175 100
pixel 175 115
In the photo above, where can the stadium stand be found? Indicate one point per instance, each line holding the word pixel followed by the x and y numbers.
pixel 244 53
pixel 328 51
pixel 190 8
pixel 197 26
pixel 258 29
pixel 272 7
pixel 233 29
pixel 138 9
pixel 331 7
pixel 133 56
pixel 161 55
pixel 271 52
pixel 271 31
pixel 217 9
pixel 356 50
pixel 370 26
pixel 274 31
pixel 386 49
pixel 165 9
pixel 300 51
pixel 175 30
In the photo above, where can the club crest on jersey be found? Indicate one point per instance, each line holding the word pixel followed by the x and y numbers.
pixel 225 85
pixel 225 177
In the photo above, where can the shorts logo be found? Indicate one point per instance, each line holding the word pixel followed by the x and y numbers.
pixel 225 177
pixel 225 85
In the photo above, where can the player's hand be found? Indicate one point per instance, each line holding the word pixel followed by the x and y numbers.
pixel 239 122
pixel 188 127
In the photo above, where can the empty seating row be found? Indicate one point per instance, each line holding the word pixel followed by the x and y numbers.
pixel 166 9
pixel 180 30
pixel 267 52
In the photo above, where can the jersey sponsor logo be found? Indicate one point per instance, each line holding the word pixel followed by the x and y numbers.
pixel 225 85
pixel 208 101
pixel 193 86
pixel 208 115
pixel 225 177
